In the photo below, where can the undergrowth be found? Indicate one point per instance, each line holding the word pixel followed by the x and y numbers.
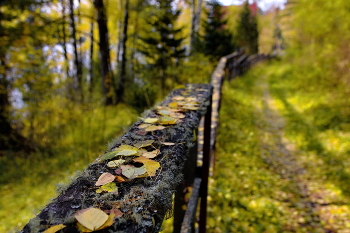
pixel 28 181
pixel 246 193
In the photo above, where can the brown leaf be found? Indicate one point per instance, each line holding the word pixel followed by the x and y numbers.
pixel 151 154
pixel 105 178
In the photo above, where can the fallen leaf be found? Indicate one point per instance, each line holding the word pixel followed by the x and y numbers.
pixel 115 163
pixel 127 150
pixel 154 128
pixel 151 165
pixel 151 154
pixel 91 218
pixel 108 188
pixel 119 179
pixel 141 132
pixel 108 223
pixel 150 120
pixel 132 172
pixel 55 228
pixel 178 97
pixel 105 178
pixel 173 105
pixel 142 126
pixel 109 155
pixel 164 112
pixel 168 143
pixel 166 120
pixel 144 143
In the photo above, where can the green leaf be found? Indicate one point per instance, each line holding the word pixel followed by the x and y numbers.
pixel 110 187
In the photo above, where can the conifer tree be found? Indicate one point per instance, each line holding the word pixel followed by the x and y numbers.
pixel 247 30
pixel 217 40
pixel 163 44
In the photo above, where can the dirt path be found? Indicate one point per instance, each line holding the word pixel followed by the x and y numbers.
pixel 282 157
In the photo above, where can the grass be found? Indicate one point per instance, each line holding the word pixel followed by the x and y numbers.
pixel 250 191
pixel 28 182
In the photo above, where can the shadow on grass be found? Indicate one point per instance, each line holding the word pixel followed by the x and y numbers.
pixel 297 126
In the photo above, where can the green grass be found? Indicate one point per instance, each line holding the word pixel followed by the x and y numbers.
pixel 28 182
pixel 248 194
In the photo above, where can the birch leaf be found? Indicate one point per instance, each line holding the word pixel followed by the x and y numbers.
pixel 154 128
pixel 108 188
pixel 144 143
pixel 151 154
pixel 91 218
pixel 54 229
pixel 142 126
pixel 115 163
pixel 166 120
pixel 151 165
pixel 105 178
pixel 132 172
pixel 151 120
pixel 109 155
pixel 127 150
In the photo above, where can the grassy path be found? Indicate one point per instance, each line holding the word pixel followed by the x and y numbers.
pixel 266 180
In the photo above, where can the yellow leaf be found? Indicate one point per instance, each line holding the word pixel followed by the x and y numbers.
pixel 115 163
pixel 108 223
pixel 54 229
pixel 151 154
pixel 151 120
pixel 151 165
pixel 127 150
pixel 178 97
pixel 105 178
pixel 91 218
pixel 173 105
pixel 154 128
pixel 108 188
pixel 142 126
pixel 166 120
pixel 144 143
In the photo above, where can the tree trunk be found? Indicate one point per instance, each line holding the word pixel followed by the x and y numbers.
pixel 77 61
pixel 91 71
pixel 121 84
pixel 192 33
pixel 107 76
pixel 66 64
pixel 198 17
pixel 10 139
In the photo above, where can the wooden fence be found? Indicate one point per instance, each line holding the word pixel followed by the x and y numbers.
pixel 169 151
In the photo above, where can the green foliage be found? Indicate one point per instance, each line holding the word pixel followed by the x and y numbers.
pixel 217 40
pixel 250 191
pixel 247 30
pixel 76 140
pixel 163 46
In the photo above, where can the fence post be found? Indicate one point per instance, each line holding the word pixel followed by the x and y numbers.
pixel 205 170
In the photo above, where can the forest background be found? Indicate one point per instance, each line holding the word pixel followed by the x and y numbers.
pixel 75 74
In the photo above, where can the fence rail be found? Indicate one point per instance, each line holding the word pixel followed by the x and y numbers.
pixel 130 187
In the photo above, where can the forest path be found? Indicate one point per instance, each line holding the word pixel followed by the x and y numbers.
pixel 306 202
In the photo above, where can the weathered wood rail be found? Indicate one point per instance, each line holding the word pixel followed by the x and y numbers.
pixel 155 158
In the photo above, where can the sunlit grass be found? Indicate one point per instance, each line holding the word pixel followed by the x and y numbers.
pixel 28 182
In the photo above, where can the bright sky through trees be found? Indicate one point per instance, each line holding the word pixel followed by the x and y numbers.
pixel 263 4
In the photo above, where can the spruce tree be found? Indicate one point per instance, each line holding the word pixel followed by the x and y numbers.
pixel 217 40
pixel 163 44
pixel 247 30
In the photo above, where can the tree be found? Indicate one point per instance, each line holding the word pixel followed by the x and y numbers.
pixel 163 46
pixel 247 30
pixel 217 40
pixel 121 83
pixel 106 72
pixel 195 24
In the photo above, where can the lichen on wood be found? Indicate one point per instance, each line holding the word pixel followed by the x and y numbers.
pixel 144 202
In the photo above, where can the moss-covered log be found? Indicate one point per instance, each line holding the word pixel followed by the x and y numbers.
pixel 141 203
